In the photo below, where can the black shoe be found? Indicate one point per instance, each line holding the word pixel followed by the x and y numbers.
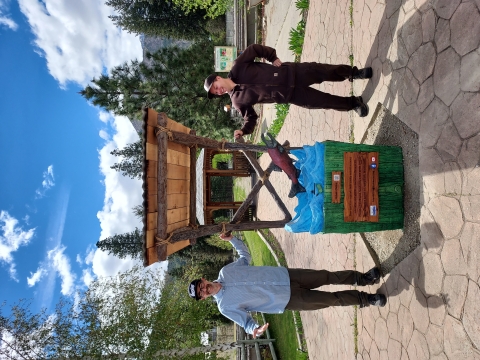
pixel 377 300
pixel 362 108
pixel 365 73
pixel 371 277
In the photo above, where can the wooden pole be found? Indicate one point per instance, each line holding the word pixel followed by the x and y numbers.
pixel 200 141
pixel 193 186
pixel 161 185
pixel 204 230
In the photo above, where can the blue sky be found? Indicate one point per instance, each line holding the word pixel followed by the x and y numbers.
pixel 58 194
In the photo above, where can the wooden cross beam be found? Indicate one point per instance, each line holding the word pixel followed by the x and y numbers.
pixel 235 225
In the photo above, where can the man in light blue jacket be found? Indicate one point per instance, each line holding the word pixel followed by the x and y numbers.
pixel 241 288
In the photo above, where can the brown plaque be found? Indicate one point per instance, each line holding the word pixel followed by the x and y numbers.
pixel 360 186
pixel 336 186
pixel 372 192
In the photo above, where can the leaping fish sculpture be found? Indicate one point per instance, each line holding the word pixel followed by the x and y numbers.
pixel 284 163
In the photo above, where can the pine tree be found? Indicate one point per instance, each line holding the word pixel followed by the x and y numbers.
pixel 158 18
pixel 173 84
pixel 119 92
pixel 123 245
pixel 131 164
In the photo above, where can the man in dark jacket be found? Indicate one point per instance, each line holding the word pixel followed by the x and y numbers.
pixel 250 83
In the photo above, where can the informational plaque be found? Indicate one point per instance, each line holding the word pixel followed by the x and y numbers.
pixel 336 186
pixel 361 186
pixel 224 58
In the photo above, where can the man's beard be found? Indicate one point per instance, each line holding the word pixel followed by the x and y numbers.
pixel 208 289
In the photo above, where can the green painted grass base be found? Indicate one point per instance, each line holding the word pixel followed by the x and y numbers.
pixel 390 192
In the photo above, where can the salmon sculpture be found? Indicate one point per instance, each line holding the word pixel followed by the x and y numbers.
pixel 284 163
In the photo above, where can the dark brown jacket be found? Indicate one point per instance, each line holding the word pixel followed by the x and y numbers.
pixel 259 83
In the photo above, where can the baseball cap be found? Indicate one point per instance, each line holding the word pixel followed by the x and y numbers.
pixel 192 289
pixel 208 84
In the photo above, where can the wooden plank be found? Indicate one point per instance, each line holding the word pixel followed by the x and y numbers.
pixel 356 179
pixel 178 158
pixel 152 221
pixel 177 186
pixel 177 225
pixel 175 126
pixel 178 214
pixel 178 147
pixel 152 117
pixel 152 186
pixel 152 255
pixel 151 152
pixel 361 187
pixel 172 248
pixel 336 186
pixel 150 238
pixel 178 172
pixel 162 185
pixel 175 201
pixel 151 137
pixel 192 217
pixel 152 203
pixel 372 187
pixel 152 169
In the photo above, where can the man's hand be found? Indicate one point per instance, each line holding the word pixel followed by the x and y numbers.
pixel 277 63
pixel 237 134
pixel 260 330
pixel 226 237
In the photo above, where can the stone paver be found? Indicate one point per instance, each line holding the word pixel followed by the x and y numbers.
pixel 425 55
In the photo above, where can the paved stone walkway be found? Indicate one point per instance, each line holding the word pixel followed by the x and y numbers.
pixel 426 57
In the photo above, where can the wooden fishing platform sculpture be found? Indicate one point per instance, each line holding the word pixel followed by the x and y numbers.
pixel 169 184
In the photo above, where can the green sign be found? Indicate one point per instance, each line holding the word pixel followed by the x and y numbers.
pixel 224 58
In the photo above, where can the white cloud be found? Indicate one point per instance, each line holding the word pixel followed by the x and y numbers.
pixel 47 183
pixel 104 135
pixel 79 259
pixel 89 257
pixel 4 18
pixel 61 264
pixel 87 277
pixel 77 38
pixel 105 117
pixel 12 236
pixel 35 277
pixel 121 195
pixel 8 22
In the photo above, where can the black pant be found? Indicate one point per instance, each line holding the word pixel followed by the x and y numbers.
pixel 307 74
pixel 302 297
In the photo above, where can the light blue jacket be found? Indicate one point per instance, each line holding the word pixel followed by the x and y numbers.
pixel 251 288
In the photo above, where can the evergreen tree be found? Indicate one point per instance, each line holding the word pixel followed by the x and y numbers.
pixel 203 259
pixel 119 92
pixel 133 315
pixel 158 18
pixel 213 8
pixel 132 163
pixel 173 84
pixel 123 245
